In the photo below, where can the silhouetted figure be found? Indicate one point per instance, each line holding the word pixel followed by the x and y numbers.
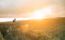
pixel 14 20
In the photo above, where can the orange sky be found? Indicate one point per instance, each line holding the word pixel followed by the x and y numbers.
pixel 22 8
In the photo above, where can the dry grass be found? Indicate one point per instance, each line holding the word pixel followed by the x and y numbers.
pixel 47 29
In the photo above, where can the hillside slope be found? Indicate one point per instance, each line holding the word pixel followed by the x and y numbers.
pixel 46 29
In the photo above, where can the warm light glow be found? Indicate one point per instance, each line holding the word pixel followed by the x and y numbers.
pixel 37 14
pixel 11 19
pixel 42 13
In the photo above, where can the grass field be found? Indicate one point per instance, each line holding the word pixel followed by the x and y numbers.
pixel 46 29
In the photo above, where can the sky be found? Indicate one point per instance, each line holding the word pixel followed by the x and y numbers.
pixel 24 8
pixel 11 19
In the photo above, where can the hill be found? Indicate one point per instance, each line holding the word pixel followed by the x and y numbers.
pixel 46 29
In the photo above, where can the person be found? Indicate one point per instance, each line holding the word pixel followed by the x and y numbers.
pixel 14 20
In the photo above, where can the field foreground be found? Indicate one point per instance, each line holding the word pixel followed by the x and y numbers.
pixel 46 29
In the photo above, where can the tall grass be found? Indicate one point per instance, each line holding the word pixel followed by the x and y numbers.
pixel 52 30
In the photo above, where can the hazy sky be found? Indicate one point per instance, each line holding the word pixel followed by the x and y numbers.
pixel 23 8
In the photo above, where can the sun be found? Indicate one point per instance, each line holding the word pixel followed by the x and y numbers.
pixel 37 16
pixel 41 13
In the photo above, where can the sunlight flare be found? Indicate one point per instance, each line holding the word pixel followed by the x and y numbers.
pixel 42 13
